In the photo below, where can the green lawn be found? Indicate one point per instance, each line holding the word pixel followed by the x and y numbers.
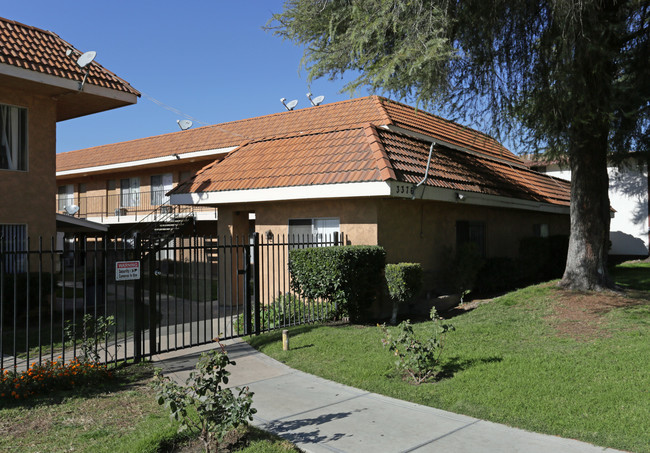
pixel 121 416
pixel 572 365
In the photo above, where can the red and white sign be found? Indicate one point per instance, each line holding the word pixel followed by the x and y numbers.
pixel 127 270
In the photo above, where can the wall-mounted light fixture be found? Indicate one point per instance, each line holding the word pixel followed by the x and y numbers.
pixel 460 196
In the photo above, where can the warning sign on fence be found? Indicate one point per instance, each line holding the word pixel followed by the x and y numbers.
pixel 127 270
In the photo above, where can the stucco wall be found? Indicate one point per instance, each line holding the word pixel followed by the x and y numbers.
pixel 628 195
pixel 28 197
pixel 425 231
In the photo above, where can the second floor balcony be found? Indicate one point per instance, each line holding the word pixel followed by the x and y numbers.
pixel 127 207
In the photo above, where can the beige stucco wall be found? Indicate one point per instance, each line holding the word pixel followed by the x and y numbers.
pixel 28 196
pixel 425 231
pixel 409 230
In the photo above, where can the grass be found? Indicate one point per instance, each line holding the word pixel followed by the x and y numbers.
pixel 542 359
pixel 119 416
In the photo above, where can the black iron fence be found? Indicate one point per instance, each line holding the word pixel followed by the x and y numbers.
pixel 120 298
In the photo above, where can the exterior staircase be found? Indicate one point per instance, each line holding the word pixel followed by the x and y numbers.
pixel 160 226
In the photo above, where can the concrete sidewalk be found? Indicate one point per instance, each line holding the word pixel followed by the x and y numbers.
pixel 322 416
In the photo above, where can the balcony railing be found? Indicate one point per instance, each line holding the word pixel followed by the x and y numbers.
pixel 131 206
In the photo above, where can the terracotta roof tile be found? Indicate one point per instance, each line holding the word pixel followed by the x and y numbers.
pixel 371 154
pixel 42 51
pixel 458 170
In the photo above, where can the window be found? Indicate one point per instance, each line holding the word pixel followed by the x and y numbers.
pixel 540 230
pixel 130 192
pixel 13 138
pixel 66 196
pixel 160 185
pixel 471 232
pixel 13 245
pixel 309 231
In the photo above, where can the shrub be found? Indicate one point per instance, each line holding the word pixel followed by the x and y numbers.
pixel 462 268
pixel 497 274
pixel 92 335
pixel 403 280
pixel 542 259
pixel 348 276
pixel 218 409
pixel 419 359
pixel 288 309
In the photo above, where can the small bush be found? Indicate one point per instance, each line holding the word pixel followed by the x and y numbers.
pixel 497 275
pixel 542 259
pixel 288 309
pixel 462 268
pixel 403 280
pixel 419 359
pixel 348 276
pixel 217 408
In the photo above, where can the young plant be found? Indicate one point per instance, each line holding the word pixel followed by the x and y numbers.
pixel 218 409
pixel 419 359
pixel 92 334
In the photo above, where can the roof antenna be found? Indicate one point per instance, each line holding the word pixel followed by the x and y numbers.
pixel 184 124
pixel 318 100
pixel 290 105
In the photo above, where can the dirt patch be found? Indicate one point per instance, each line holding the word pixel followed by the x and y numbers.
pixel 580 315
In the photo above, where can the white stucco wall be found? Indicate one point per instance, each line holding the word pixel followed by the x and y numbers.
pixel 628 195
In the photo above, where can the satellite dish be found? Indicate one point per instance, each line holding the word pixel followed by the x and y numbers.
pixel 71 209
pixel 184 124
pixel 87 58
pixel 318 100
pixel 290 105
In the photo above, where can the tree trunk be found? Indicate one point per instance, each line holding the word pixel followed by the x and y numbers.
pixel 586 267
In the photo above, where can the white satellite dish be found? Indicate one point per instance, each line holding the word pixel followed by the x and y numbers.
pixel 71 209
pixel 318 100
pixel 184 124
pixel 290 105
pixel 86 58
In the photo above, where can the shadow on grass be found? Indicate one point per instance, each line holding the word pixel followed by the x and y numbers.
pixel 455 364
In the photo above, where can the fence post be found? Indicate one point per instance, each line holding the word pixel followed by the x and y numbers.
pixel 151 255
pixel 248 325
pixel 256 281
pixel 137 305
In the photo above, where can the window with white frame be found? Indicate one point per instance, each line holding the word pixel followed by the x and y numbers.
pixel 66 196
pixel 13 138
pixel 129 192
pixel 317 231
pixel 160 185
pixel 13 247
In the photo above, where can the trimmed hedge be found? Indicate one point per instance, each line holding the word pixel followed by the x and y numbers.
pixel 349 276
pixel 403 280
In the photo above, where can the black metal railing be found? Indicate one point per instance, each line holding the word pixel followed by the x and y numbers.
pixel 190 291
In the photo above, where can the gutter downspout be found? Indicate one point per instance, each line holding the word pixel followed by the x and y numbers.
pixel 426 173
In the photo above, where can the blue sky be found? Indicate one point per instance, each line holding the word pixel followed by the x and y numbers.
pixel 209 59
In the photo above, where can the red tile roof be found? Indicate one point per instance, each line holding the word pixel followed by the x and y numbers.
pixel 365 154
pixel 338 115
pixel 42 51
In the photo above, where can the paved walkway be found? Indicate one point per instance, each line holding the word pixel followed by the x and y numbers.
pixel 322 416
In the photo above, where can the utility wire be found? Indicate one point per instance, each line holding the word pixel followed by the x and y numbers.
pixel 178 112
